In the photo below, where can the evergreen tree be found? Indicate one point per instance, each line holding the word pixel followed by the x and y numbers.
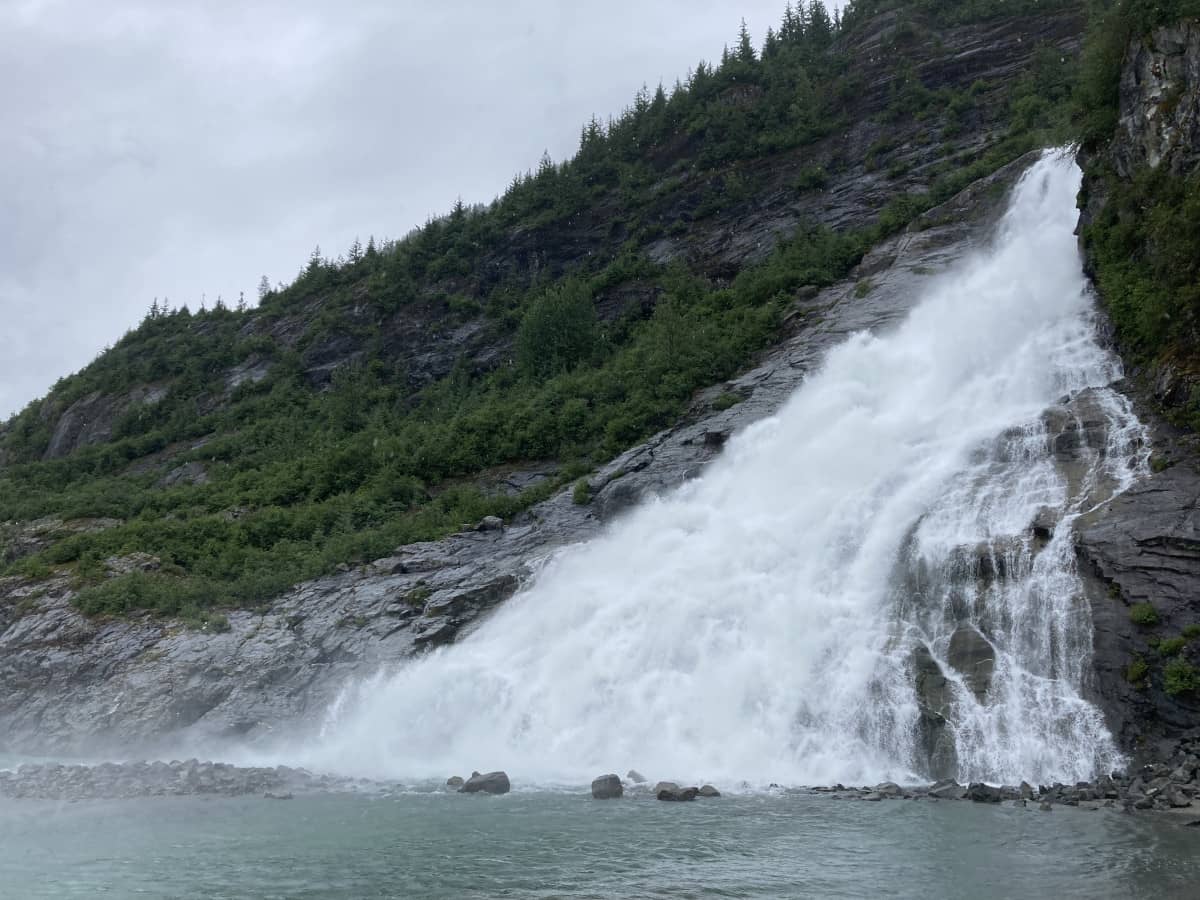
pixel 264 288
pixel 745 51
pixel 770 45
pixel 820 26
pixel 659 103
pixel 372 252
pixel 356 250
pixel 787 31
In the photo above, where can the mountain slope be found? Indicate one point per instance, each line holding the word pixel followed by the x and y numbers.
pixel 501 352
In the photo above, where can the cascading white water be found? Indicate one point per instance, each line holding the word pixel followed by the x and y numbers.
pixel 760 623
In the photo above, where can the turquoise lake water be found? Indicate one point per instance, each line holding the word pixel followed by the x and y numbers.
pixel 538 844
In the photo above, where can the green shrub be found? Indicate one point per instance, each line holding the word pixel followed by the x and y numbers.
pixel 1136 671
pixel 810 179
pixel 1143 614
pixel 1172 646
pixel 1180 677
pixel 558 332
pixel 582 495
pixel 726 400
pixel 1191 632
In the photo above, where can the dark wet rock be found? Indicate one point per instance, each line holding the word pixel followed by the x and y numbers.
pixel 974 658
pixel 491 783
pixel 935 697
pixel 635 776
pixel 708 790
pixel 607 787
pixel 678 795
pixel 490 523
pixel 1026 790
pixel 873 797
pixel 978 792
pixel 454 781
pixel 665 786
pixel 1176 797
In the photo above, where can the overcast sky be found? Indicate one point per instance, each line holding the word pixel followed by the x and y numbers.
pixel 151 148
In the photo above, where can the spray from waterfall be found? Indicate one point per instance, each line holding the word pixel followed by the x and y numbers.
pixel 854 591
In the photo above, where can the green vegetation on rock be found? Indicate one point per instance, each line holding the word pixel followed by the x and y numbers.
pixel 1180 677
pixel 1143 614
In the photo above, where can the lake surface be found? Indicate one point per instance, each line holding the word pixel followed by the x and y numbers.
pixel 541 844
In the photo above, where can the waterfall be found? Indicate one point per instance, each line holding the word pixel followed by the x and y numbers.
pixel 854 591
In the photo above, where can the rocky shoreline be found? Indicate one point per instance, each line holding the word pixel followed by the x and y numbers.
pixel 1153 789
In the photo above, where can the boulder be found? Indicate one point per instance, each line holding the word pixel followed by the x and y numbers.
pixel 1176 798
pixel 888 789
pixel 490 523
pixel 708 790
pixel 665 786
pixel 454 781
pixel 679 794
pixel 635 776
pixel 948 790
pixel 491 783
pixel 607 787
pixel 984 793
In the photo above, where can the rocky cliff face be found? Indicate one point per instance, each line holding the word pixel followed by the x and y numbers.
pixel 1160 102
pixel 1141 553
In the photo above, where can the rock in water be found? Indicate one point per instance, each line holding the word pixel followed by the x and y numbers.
pixel 635 776
pixel 679 794
pixel 491 783
pixel 454 781
pixel 888 789
pixel 948 790
pixel 607 787
pixel 665 786
pixel 982 793
pixel 709 791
